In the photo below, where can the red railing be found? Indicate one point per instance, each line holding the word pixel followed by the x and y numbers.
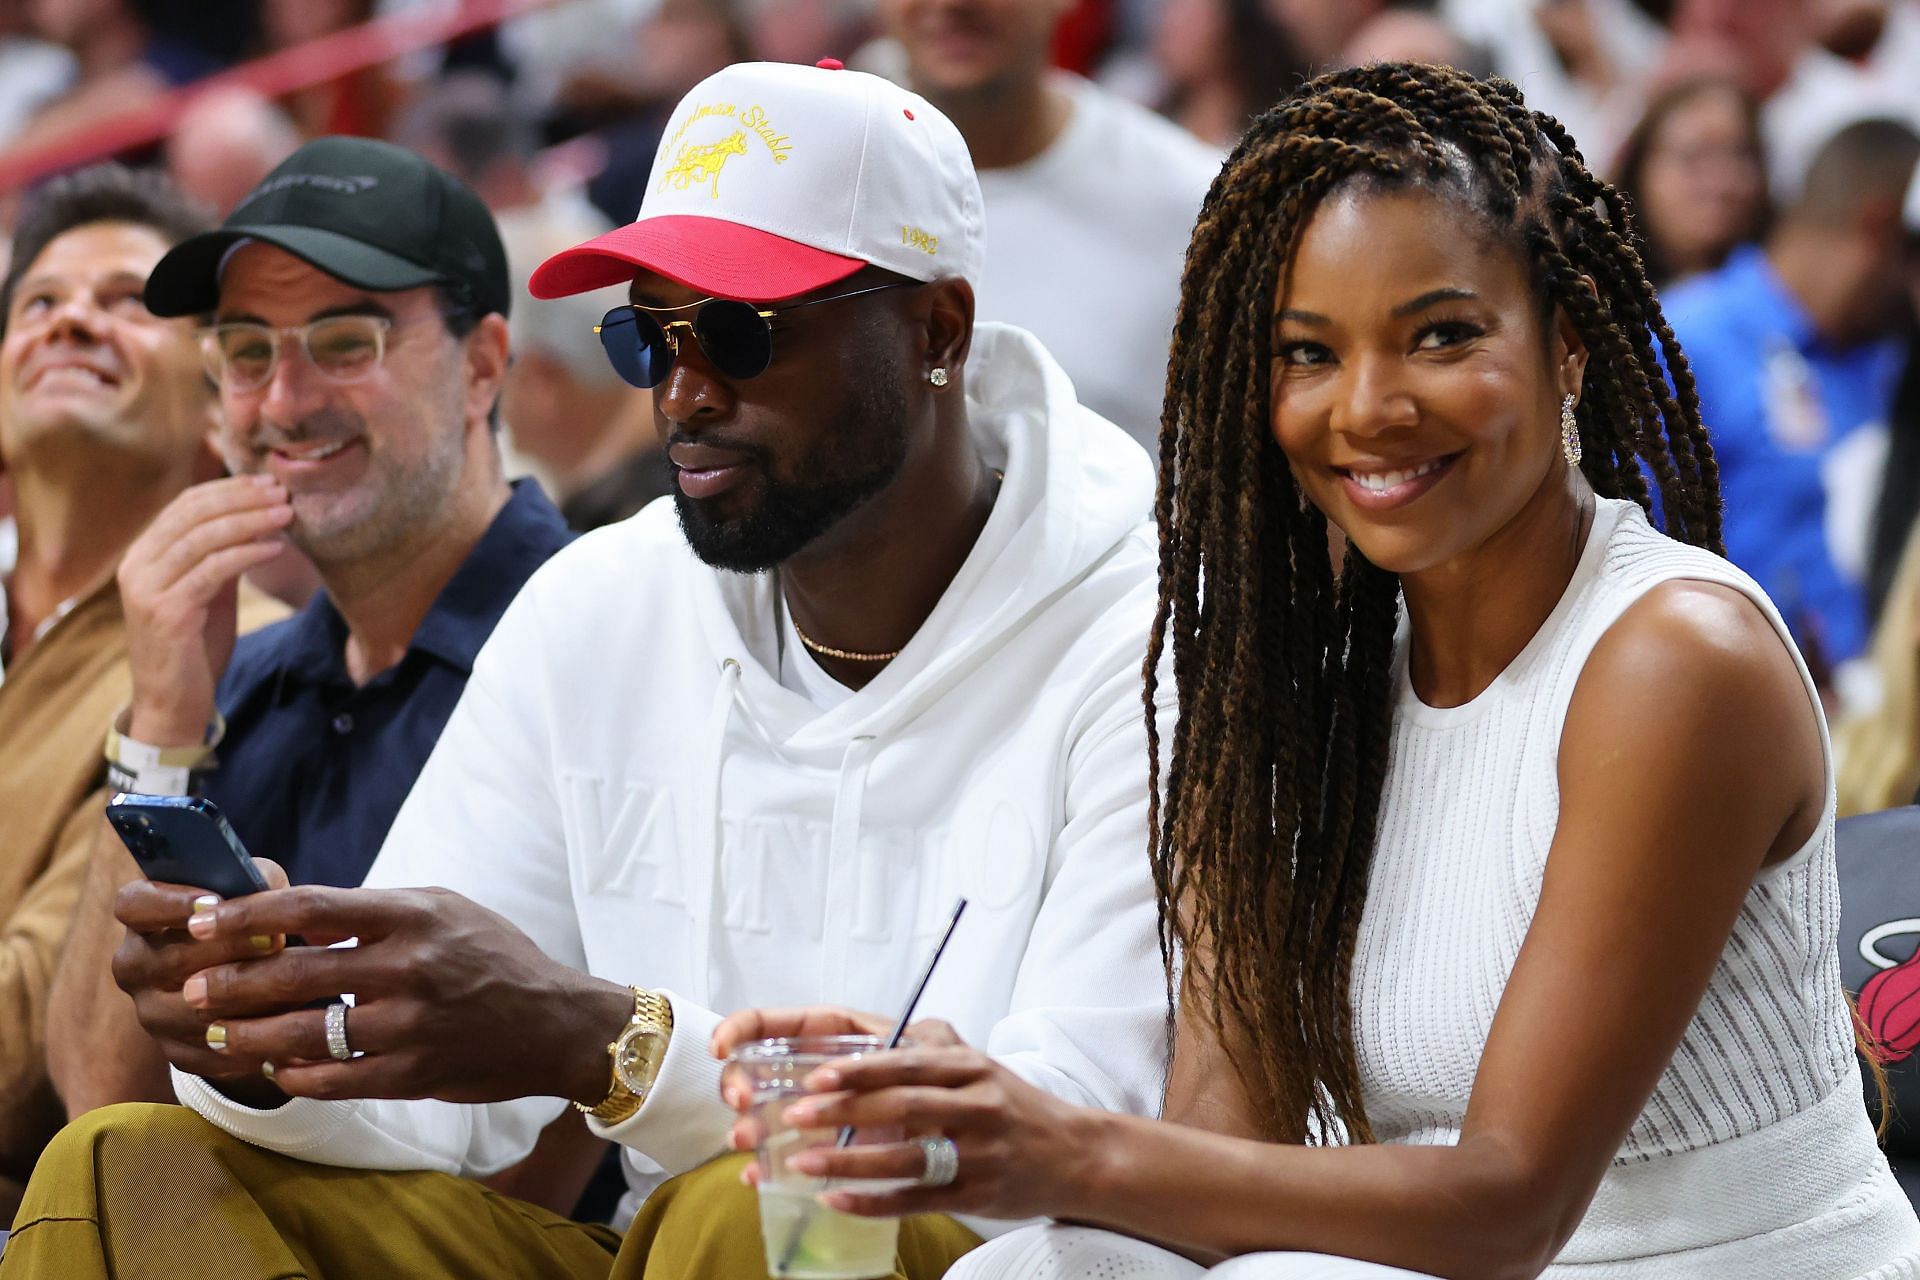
pixel 276 75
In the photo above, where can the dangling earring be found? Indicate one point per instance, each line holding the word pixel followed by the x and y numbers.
pixel 1569 432
pixel 938 377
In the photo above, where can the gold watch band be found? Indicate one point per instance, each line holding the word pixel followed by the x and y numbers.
pixel 653 1019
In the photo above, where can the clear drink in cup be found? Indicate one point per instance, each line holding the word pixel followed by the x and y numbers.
pixel 804 1239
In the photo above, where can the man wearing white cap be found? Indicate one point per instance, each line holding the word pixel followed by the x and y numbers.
pixel 882 650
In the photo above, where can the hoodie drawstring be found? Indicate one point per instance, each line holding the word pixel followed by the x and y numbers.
pixel 707 900
pixel 843 847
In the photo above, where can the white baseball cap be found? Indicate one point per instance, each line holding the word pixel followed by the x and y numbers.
pixel 773 180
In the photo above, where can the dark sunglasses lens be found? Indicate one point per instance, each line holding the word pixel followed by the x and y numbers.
pixel 636 347
pixel 735 337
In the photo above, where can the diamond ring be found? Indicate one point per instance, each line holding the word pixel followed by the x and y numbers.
pixel 337 1032
pixel 943 1162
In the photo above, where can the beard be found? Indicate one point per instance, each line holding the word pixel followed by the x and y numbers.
pixel 862 458
pixel 393 501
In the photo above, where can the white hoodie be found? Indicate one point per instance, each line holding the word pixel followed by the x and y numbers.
pixel 625 757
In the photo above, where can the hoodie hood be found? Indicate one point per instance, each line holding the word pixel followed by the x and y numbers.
pixel 1076 486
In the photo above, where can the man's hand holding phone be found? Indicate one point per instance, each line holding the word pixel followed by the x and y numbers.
pixel 452 1001
pixel 160 953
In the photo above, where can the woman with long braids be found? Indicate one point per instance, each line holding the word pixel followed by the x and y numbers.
pixel 1496 867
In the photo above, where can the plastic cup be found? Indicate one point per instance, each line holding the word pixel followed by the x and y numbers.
pixel 804 1239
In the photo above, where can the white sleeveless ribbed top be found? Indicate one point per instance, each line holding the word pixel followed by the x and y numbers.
pixel 1754 1158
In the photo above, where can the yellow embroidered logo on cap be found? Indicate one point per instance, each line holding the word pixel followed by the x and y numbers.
pixel 778 144
pixel 702 162
pixel 698 162
pixel 915 238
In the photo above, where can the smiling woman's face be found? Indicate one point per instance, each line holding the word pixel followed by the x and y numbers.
pixel 1416 380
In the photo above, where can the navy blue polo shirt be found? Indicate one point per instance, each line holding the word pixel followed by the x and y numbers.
pixel 313 768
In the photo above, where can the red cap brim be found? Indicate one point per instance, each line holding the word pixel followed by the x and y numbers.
pixel 721 259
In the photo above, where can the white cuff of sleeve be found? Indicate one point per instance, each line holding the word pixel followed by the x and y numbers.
pixel 296 1126
pixel 684 1122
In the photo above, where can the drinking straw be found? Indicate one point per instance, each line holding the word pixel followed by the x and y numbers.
pixel 893 1042
pixel 919 988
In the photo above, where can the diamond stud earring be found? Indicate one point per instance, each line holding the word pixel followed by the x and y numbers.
pixel 938 377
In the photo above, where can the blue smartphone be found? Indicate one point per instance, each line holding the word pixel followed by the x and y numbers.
pixel 184 840
pixel 187 840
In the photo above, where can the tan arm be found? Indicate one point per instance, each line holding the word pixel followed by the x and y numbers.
pixel 97 1051
pixel 30 940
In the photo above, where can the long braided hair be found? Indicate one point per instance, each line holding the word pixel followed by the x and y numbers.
pixel 1263 827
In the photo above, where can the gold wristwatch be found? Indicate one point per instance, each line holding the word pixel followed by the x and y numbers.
pixel 636 1056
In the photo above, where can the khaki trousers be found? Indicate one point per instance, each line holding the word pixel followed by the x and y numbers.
pixel 147 1192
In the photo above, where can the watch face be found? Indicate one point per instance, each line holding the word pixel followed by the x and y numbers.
pixel 636 1057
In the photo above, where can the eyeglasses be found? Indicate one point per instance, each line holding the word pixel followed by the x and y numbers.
pixel 737 337
pixel 242 355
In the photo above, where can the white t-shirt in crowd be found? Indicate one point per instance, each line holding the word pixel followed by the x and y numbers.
pixel 1085 243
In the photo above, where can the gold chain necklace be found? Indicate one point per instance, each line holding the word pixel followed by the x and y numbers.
pixel 849 655
pixel 845 655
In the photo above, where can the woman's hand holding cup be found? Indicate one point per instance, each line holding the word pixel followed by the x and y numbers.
pixel 1021 1151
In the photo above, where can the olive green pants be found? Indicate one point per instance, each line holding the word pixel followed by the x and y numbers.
pixel 146 1192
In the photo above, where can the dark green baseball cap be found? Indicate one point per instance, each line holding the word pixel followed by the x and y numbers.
pixel 374 215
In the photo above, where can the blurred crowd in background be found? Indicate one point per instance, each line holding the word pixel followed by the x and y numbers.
pixel 1769 147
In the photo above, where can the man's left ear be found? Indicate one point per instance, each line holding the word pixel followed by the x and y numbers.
pixel 949 324
pixel 486 358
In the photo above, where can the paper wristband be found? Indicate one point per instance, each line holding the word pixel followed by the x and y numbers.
pixel 141 767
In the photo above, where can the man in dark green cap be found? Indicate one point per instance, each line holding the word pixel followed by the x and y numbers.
pixel 354 310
